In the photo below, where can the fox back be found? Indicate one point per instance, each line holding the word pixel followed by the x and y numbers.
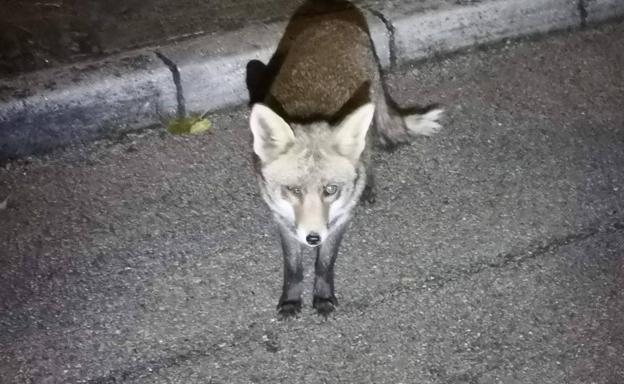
pixel 326 67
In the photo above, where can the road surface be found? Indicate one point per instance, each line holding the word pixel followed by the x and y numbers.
pixel 494 253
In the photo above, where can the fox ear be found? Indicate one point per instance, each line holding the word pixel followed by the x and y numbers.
pixel 271 134
pixel 350 135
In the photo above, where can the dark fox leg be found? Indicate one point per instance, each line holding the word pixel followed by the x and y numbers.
pixel 290 301
pixel 259 77
pixel 324 299
pixel 369 195
pixel 257 80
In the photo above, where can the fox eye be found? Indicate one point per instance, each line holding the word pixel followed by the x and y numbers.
pixel 294 190
pixel 330 189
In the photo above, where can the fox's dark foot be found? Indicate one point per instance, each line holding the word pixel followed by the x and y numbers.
pixel 368 195
pixel 388 144
pixel 289 309
pixel 324 306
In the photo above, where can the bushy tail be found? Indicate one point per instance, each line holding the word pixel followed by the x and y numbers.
pixel 424 124
pixel 395 126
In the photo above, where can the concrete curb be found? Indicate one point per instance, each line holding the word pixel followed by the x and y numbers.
pixel 82 102
pixel 422 34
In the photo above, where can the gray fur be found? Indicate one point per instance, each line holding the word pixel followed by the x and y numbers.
pixel 324 75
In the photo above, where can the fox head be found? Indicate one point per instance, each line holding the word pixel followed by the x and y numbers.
pixel 312 175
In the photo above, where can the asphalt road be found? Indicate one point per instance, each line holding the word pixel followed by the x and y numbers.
pixel 494 253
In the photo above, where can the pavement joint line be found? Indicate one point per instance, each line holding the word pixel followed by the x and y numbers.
pixel 437 281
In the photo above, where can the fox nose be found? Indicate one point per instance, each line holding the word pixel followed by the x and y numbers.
pixel 313 238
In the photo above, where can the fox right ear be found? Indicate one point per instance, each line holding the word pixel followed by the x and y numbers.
pixel 271 134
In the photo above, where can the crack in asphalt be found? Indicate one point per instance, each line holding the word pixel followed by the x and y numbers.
pixel 582 8
pixel 151 367
pixel 177 80
pixel 502 260
pixel 391 31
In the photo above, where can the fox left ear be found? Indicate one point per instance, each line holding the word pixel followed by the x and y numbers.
pixel 271 134
pixel 350 135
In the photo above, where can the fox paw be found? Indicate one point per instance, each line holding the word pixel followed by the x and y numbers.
pixel 289 309
pixel 368 196
pixel 324 306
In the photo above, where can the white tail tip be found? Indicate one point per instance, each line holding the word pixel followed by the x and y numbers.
pixel 424 124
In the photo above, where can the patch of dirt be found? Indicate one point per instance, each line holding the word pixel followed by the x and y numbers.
pixel 36 34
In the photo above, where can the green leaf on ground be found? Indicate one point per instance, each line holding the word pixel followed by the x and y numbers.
pixel 189 125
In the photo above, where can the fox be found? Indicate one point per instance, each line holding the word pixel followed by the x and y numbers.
pixel 312 109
